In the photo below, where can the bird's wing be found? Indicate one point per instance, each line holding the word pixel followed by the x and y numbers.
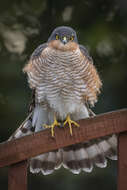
pixel 38 51
pixel 26 127
pixel 91 78
pixel 86 53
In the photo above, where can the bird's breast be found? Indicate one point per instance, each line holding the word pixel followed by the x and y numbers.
pixel 63 75
pixel 58 79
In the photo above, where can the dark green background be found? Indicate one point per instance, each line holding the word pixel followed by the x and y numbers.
pixel 101 26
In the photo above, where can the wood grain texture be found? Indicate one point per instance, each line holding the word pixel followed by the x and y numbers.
pixel 17 176
pixel 29 146
pixel 122 161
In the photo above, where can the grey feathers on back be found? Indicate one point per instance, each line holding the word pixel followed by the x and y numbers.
pixel 38 50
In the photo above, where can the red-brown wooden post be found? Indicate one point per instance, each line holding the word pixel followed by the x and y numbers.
pixel 122 161
pixel 17 176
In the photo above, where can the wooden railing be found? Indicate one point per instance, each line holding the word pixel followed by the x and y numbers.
pixel 15 153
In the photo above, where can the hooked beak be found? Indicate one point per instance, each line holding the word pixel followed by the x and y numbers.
pixel 64 40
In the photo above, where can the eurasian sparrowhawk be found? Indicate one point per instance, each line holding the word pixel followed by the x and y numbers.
pixel 65 83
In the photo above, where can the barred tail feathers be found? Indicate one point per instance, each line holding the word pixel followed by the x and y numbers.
pixel 24 129
pixel 82 157
pixel 46 163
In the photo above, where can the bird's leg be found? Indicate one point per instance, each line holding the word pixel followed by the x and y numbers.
pixel 70 122
pixel 55 123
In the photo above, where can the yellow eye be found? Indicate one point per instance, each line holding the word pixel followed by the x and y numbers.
pixel 57 37
pixel 72 38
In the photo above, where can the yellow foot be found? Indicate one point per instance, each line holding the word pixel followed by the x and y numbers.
pixel 70 122
pixel 55 123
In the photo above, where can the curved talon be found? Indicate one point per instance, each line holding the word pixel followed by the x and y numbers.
pixel 55 123
pixel 70 122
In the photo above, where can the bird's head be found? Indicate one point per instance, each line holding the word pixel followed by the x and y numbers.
pixel 63 37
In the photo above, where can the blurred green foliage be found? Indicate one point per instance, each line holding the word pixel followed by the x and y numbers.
pixel 102 27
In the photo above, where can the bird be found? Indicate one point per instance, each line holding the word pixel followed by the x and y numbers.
pixel 65 86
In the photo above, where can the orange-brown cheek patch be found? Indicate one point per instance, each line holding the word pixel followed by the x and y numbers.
pixel 56 44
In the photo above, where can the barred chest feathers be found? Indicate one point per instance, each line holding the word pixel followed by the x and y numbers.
pixel 60 78
pixel 62 74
